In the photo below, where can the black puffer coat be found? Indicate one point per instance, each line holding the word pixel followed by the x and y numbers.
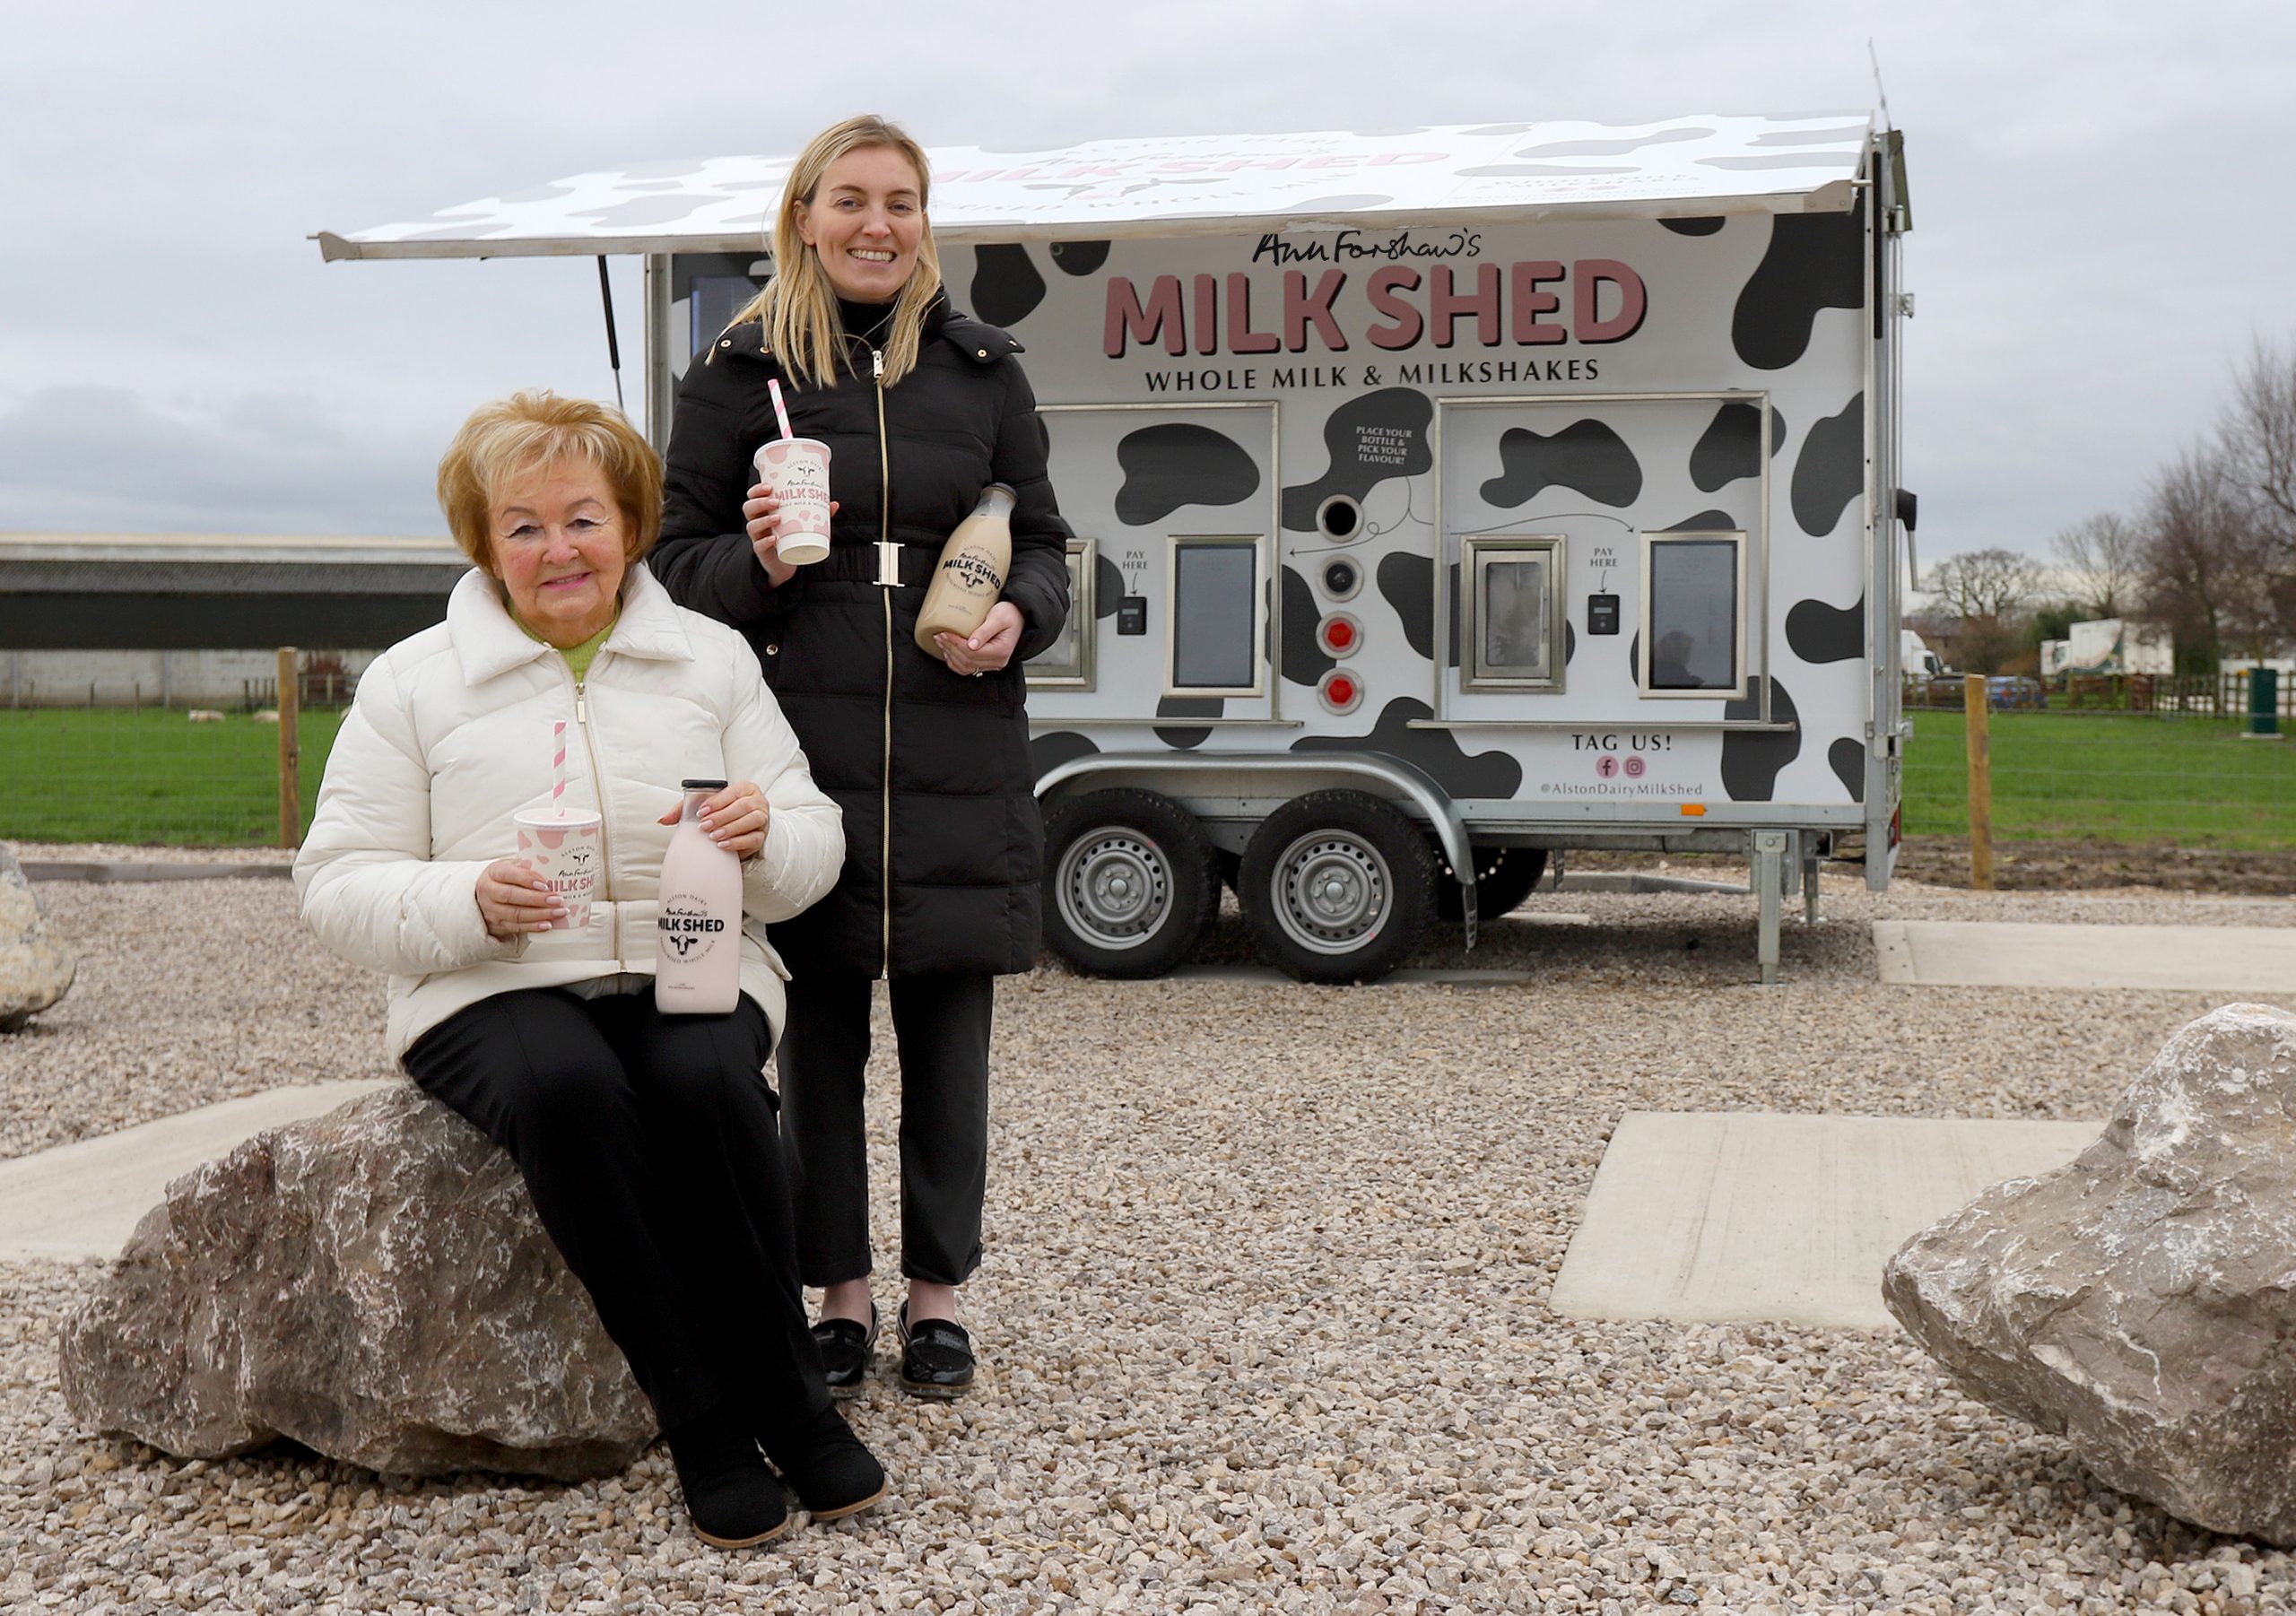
pixel 945 844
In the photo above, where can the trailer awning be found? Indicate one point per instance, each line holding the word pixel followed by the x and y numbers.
pixel 1193 185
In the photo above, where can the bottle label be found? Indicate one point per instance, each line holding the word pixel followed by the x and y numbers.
pixel 974 571
pixel 689 931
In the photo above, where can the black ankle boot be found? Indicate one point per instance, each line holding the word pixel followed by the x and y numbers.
pixel 731 1497
pixel 831 1472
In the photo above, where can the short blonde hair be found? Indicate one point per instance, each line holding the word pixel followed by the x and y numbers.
pixel 531 432
pixel 798 307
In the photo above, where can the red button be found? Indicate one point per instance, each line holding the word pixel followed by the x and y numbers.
pixel 1340 691
pixel 1339 634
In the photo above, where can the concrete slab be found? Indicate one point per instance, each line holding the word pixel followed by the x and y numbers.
pixel 84 1199
pixel 2207 958
pixel 1734 1217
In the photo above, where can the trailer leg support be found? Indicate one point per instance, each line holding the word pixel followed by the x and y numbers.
pixel 1810 883
pixel 1769 880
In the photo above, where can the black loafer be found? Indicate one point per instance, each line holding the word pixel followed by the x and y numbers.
pixel 731 1499
pixel 825 1465
pixel 845 1345
pixel 935 1356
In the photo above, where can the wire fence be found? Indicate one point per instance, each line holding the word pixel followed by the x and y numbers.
pixel 2174 768
pixel 124 767
pixel 2134 777
pixel 2199 695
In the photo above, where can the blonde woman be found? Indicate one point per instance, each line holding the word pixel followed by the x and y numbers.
pixel 922 408
pixel 646 1142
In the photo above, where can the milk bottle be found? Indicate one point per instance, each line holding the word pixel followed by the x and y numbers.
pixel 697 927
pixel 970 577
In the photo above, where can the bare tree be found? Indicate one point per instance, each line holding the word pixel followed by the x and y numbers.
pixel 2202 558
pixel 2103 559
pixel 1986 583
pixel 1991 592
pixel 2257 447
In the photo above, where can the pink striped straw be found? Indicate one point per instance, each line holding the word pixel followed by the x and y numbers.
pixel 557 766
pixel 773 388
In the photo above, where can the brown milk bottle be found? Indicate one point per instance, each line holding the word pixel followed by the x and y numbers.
pixel 970 577
pixel 698 925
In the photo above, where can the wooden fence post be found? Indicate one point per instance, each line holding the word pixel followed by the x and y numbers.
pixel 1975 701
pixel 291 781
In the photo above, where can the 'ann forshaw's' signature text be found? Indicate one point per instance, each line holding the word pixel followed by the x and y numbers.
pixel 1349 245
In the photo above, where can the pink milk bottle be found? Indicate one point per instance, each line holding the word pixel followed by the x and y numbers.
pixel 698 925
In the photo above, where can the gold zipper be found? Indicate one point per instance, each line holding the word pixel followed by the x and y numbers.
pixel 605 835
pixel 884 538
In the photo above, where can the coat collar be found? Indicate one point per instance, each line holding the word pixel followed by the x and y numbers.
pixel 488 641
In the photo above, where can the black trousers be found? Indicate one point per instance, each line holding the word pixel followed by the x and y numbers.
pixel 941 1026
pixel 649 1146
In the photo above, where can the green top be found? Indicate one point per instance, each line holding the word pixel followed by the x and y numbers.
pixel 578 658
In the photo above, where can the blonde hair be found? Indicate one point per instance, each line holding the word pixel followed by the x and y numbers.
pixel 534 432
pixel 798 307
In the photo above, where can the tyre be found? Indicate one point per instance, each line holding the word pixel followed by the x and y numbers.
pixel 1129 886
pixel 1503 878
pixel 1337 886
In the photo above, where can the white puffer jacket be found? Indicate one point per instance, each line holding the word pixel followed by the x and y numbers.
pixel 450 735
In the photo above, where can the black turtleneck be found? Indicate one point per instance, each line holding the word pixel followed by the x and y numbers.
pixel 872 323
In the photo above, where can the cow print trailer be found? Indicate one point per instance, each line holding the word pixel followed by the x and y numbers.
pixel 1446 500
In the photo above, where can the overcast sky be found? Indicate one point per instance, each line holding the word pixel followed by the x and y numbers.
pixel 2101 199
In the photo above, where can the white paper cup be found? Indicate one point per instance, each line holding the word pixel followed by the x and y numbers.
pixel 567 851
pixel 796 471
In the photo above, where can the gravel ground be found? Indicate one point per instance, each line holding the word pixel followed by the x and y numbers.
pixel 1264 1320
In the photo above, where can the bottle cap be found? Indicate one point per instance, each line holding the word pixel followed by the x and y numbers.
pixel 701 785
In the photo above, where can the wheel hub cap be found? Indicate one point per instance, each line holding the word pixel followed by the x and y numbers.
pixel 1113 889
pixel 1332 893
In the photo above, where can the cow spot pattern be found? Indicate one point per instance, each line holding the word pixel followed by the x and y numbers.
pixel 1055 747
pixel 1818 632
pixel 1369 440
pixel 1704 225
pixel 1831 469
pixel 1814 261
pixel 1005 285
pixel 1847 759
pixel 1436 751
pixel 1731 446
pixel 1612 148
pixel 1407 584
pixel 1751 759
pixel 1079 257
pixel 1178 462
pixel 1187 706
pixel 1587 457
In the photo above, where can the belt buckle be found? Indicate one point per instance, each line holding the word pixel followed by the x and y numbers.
pixel 888 564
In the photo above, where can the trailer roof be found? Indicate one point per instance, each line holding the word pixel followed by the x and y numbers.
pixel 1193 185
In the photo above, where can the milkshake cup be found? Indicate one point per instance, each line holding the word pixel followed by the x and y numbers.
pixel 567 851
pixel 795 471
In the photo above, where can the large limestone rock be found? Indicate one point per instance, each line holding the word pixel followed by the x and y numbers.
pixel 2143 1300
pixel 372 1283
pixel 35 968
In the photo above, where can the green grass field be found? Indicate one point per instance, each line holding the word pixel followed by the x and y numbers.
pixel 2118 777
pixel 141 775
pixel 148 774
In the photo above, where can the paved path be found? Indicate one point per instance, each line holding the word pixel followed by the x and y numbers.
pixel 84 1199
pixel 2259 961
pixel 1725 1217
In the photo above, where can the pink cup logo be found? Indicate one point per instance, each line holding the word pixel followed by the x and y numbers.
pixel 567 858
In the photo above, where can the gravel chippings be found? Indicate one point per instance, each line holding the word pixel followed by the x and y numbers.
pixel 1263 1323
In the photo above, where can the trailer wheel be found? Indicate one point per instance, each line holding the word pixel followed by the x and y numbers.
pixel 1503 878
pixel 1129 885
pixel 1337 886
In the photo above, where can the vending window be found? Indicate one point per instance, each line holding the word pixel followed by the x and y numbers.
pixel 1693 614
pixel 1067 664
pixel 1213 640
pixel 712 302
pixel 1511 611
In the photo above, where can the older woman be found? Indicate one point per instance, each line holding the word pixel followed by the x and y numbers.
pixel 648 1142
pixel 923 408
